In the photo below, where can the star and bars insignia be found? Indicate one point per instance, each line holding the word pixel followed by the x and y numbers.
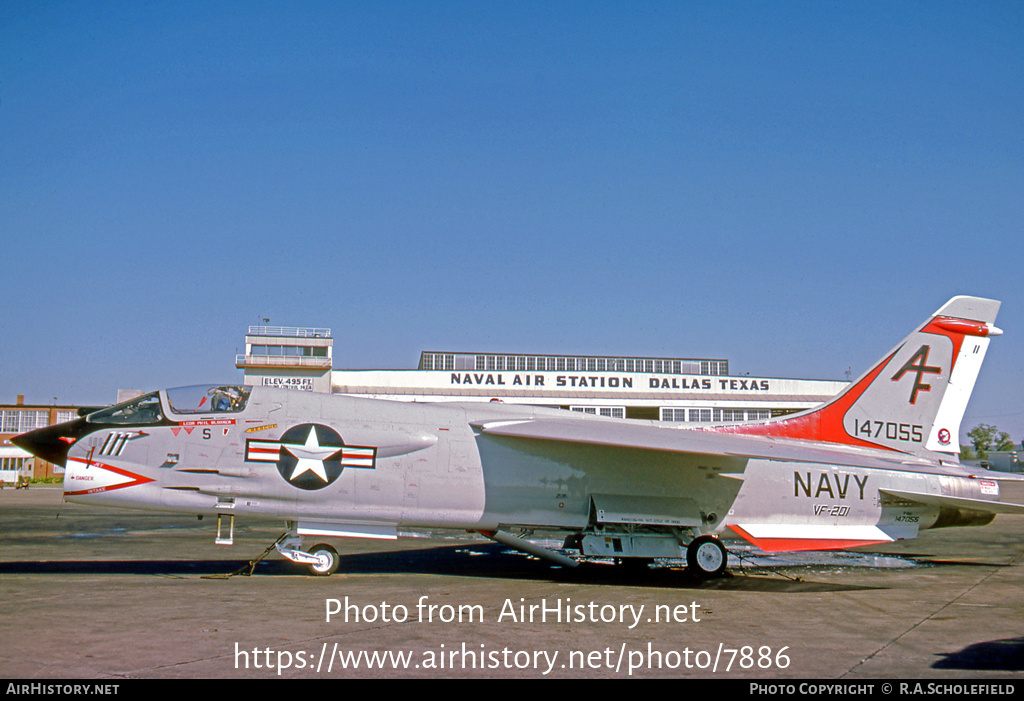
pixel 310 456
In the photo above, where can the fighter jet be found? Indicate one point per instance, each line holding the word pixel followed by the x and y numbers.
pixel 877 463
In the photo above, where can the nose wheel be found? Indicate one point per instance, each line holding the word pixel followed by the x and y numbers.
pixel 707 557
pixel 327 561
pixel 320 561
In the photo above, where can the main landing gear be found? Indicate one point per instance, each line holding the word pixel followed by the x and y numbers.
pixel 707 557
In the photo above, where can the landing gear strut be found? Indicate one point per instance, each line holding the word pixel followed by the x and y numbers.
pixel 321 560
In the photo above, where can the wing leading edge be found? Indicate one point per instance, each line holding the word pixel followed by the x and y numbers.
pixel 730 451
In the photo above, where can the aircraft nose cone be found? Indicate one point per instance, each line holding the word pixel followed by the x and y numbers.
pixel 53 442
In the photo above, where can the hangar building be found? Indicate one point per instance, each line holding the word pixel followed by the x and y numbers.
pixel 697 390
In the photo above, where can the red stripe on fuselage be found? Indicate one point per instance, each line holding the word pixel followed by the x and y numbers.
pixel 134 480
pixel 778 545
pixel 825 424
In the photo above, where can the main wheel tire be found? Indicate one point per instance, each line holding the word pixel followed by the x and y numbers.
pixel 328 564
pixel 707 557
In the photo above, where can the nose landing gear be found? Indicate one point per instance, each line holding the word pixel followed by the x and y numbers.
pixel 321 560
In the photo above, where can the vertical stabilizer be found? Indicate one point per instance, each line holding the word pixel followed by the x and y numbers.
pixel 914 398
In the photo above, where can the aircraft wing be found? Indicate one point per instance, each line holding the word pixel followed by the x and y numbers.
pixel 633 472
pixel 730 451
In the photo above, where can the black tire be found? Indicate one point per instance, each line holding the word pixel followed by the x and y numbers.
pixel 707 557
pixel 331 561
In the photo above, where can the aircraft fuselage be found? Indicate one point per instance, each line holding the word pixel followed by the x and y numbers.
pixel 380 466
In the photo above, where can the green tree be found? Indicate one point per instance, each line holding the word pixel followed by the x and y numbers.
pixel 986 438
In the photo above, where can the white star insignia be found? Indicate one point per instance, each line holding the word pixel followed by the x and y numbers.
pixel 310 456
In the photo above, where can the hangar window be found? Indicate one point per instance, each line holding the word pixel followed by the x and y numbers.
pixel 672 414
pixel 445 361
pixel 21 420
pixel 714 415
pixel 491 362
pixel 614 412
pixel 289 351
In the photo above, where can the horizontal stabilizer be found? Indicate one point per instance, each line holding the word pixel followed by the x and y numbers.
pixel 992 507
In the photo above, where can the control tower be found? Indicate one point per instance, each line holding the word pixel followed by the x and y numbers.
pixel 287 356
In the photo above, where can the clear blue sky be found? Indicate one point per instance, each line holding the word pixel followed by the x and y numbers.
pixel 789 185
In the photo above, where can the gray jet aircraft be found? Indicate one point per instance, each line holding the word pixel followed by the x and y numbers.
pixel 877 463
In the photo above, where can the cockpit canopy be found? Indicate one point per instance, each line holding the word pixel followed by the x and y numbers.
pixel 198 399
pixel 144 410
pixel 208 399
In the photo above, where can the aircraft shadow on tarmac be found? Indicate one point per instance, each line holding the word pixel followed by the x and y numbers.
pixel 998 655
pixel 486 560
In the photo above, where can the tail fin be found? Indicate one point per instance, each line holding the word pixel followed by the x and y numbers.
pixel 914 398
